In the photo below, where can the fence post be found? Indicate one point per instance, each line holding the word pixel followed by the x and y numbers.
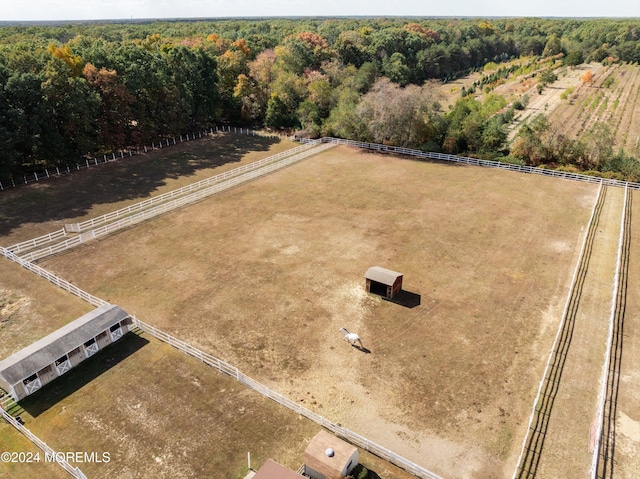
pixel 145 148
pixel 36 176
pixel 87 162
pixel 47 172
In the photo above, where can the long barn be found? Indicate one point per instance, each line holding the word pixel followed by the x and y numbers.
pixel 28 370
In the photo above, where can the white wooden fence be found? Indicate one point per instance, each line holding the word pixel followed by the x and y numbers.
pixel 556 340
pixel 143 205
pixel 170 205
pixel 475 161
pixel 350 436
pixel 39 241
pixel 106 158
pixel 50 453
pixel 220 365
pixel 607 359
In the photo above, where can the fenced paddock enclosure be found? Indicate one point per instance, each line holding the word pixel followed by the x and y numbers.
pixel 264 276
pixel 133 214
pixel 212 417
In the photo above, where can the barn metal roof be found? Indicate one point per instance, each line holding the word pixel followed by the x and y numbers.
pixel 315 455
pixel 45 351
pixel 382 275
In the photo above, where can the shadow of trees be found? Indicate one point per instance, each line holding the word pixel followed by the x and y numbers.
pixel 137 177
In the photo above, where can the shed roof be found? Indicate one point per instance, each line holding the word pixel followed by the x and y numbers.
pixel 273 470
pixel 382 275
pixel 316 458
pixel 45 351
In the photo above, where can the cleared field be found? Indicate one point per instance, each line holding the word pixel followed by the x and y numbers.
pixel 263 277
pixel 613 99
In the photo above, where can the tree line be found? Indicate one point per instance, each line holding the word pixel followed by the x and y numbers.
pixel 84 88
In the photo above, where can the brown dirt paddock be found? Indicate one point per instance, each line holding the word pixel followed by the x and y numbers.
pixel 264 275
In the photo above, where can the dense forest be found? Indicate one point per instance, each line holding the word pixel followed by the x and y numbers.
pixel 87 88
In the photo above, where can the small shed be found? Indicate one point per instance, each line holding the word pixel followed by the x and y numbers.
pixel 328 457
pixel 26 371
pixel 383 281
pixel 273 470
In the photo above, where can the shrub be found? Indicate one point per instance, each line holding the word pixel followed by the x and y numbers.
pixel 359 472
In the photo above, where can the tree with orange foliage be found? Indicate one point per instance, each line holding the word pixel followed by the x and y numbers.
pixel 115 119
pixel 587 77
pixel 423 31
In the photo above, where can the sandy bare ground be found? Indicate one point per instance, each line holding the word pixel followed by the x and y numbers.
pixel 264 276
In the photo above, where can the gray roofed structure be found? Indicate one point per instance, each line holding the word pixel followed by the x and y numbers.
pixel 45 351
pixel 382 275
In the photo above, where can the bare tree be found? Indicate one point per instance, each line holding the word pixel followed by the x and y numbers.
pixel 400 116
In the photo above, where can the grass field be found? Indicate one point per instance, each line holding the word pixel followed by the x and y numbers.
pixel 264 275
pixel 159 413
pixel 31 307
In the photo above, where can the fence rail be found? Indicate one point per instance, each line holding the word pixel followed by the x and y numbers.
pixel 172 204
pixel 39 241
pixel 475 161
pixel 57 458
pixel 226 368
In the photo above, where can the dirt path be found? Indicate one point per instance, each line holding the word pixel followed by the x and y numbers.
pixel 566 451
pixel 626 458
